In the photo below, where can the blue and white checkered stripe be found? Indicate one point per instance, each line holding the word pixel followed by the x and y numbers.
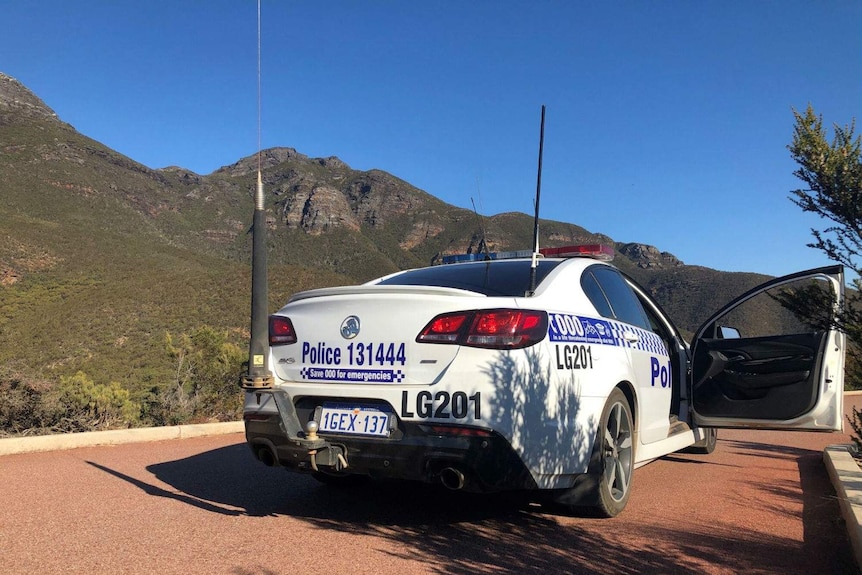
pixel 648 341
pixel 352 375
pixel 603 331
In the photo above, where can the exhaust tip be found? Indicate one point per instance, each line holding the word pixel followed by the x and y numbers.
pixel 266 456
pixel 452 478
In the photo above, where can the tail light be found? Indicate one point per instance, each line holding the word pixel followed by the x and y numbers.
pixel 487 328
pixel 281 331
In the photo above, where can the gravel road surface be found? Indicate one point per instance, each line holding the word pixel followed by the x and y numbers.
pixel 761 504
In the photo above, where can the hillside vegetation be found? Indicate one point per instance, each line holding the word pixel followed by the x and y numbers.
pixel 122 286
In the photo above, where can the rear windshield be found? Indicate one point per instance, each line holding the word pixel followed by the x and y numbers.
pixel 494 278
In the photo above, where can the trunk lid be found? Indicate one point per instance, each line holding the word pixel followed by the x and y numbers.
pixel 367 334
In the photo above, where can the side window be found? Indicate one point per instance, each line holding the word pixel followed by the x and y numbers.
pixel 657 326
pixel 623 301
pixel 654 321
pixel 596 295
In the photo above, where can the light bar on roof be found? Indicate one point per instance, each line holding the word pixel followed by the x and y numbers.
pixel 595 251
pixel 480 257
pixel 458 258
pixel 513 255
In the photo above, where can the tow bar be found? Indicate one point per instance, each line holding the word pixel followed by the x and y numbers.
pixel 320 451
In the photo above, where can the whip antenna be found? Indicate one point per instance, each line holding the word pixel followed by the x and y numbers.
pixel 483 244
pixel 535 262
pixel 259 181
pixel 258 375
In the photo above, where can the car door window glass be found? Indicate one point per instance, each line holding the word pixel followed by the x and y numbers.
pixel 801 306
pixel 657 326
pixel 623 302
pixel 596 295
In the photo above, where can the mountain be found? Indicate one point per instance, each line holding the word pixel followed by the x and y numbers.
pixel 101 256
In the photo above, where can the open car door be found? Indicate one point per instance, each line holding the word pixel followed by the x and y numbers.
pixel 771 359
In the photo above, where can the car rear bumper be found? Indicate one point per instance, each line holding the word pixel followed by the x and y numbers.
pixel 481 462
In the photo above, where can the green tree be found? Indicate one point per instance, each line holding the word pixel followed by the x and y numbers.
pixel 832 173
pixel 208 365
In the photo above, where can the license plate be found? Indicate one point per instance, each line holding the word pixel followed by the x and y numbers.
pixel 354 421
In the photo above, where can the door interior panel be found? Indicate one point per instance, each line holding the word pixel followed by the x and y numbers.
pixel 758 378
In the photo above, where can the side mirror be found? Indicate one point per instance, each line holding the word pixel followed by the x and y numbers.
pixel 726 332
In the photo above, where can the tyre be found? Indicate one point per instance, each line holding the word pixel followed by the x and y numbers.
pixel 604 490
pixel 707 445
pixel 613 455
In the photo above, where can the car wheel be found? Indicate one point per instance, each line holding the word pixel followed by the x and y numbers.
pixel 707 445
pixel 604 489
pixel 613 460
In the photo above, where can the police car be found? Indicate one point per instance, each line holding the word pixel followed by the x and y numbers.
pixel 557 375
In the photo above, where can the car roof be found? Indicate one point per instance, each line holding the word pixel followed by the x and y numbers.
pixel 493 278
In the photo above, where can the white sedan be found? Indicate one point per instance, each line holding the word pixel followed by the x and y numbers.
pixel 557 375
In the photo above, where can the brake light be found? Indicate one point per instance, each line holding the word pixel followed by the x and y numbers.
pixel 281 331
pixel 444 328
pixel 487 328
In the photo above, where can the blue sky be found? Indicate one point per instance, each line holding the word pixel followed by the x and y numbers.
pixel 667 123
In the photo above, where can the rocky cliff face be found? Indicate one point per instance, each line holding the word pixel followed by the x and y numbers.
pixel 648 257
pixel 317 195
pixel 317 209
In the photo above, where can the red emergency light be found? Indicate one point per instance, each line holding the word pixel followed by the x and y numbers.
pixel 595 251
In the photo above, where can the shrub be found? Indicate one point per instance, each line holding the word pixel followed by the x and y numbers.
pixel 205 384
pixel 35 406
pixel 87 405
pixel 25 405
pixel 856 425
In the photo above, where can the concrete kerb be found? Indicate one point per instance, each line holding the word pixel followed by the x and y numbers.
pixel 12 445
pixel 846 477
